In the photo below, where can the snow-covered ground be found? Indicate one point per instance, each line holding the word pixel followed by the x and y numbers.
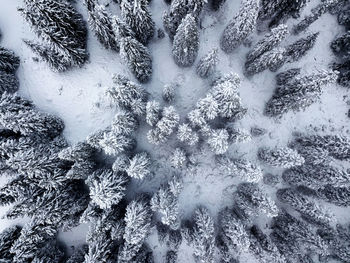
pixel 77 96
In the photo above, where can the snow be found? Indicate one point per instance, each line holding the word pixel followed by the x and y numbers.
pixel 78 97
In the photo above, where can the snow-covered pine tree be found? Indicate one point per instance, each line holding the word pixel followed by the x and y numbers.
pixel 244 169
pixel 107 187
pixel 121 29
pixel 169 92
pixel 272 60
pixel 339 196
pixel 101 250
pixel 126 94
pixel 20 115
pixel 166 202
pixel 313 155
pixel 270 40
pixel 316 12
pixel 300 47
pixel 50 252
pixel 186 42
pixel 153 111
pixel 280 157
pixel 165 127
pixel 187 135
pixel 316 176
pixel 284 77
pixel 218 141
pixel 238 135
pixel 9 62
pixel 113 143
pixel 124 123
pixel 308 209
pixel 78 255
pixel 203 236
pixel 101 24
pixel 138 17
pixel 62 29
pixel 171 257
pixel 139 166
pixel 207 64
pixel 8 82
pixel 344 72
pixel 299 93
pixel 178 159
pixel 179 9
pixel 241 26
pixel 251 199
pixel 340 46
pixel 208 107
pixel 137 57
pixel 7 239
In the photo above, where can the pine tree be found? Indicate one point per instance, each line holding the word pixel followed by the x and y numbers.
pixel 101 24
pixel 280 157
pixel 300 47
pixel 313 155
pixel 139 166
pixel 178 159
pixel 187 135
pixel 203 236
pixel 251 199
pixel 78 255
pixel 153 111
pixel 107 188
pixel 61 28
pixel 186 42
pixel 339 196
pixel 308 209
pixel 299 93
pixel 137 58
pixel 207 64
pixel 100 251
pixel 272 60
pixel 316 176
pixel 208 107
pixel 283 78
pixel 9 62
pixel 166 202
pixel 113 143
pixel 121 163
pixel 124 123
pixel 270 40
pixel 126 94
pixel 50 253
pixel 7 239
pixel 179 9
pixel 138 17
pixel 340 46
pixel 171 257
pixel 344 73
pixel 239 135
pixel 8 82
pixel 242 168
pixel 169 92
pixel 218 141
pixel 241 26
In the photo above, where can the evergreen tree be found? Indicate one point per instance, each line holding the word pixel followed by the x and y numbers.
pixel 121 29
pixel 178 159
pixel 242 168
pixel 313 155
pixel 179 9
pixel 239 135
pixel 124 123
pixel 126 93
pixel 316 176
pixel 78 255
pixel 344 73
pixel 9 62
pixel 218 141
pixel 298 93
pixel 283 78
pixel 138 17
pixel 113 143
pixel 280 157
pixel 137 57
pixel 169 92
pixel 166 202
pixel 270 40
pixel 8 82
pixel 107 188
pixel 300 47
pixel 101 24
pixel 208 107
pixel 241 26
pixel 152 112
pixel 186 42
pixel 187 135
pixel 100 251
pixel 339 196
pixel 171 257
pixel 139 166
pixel 251 199
pixel 207 64
pixel 50 253
pixel 61 28
pixel 7 239
pixel 308 209
pixel 121 163
pixel 272 60
pixel 340 46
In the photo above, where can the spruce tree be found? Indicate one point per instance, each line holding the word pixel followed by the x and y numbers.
pixel 218 141
pixel 61 28
pixel 283 78
pixel 153 111
pixel 107 188
pixel 280 157
pixel 339 196
pixel 241 26
pixel 137 57
pixel 101 24
pixel 340 46
pixel 187 135
pixel 124 123
pixel 9 62
pixel 7 239
pixel 113 143
pixel 169 92
pixel 178 159
pixel 186 42
pixel 138 17
pixel 207 64
pixel 270 40
pixel 8 82
pixel 139 166
pixel 300 47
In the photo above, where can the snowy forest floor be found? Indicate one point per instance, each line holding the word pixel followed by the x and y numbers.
pixel 78 97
